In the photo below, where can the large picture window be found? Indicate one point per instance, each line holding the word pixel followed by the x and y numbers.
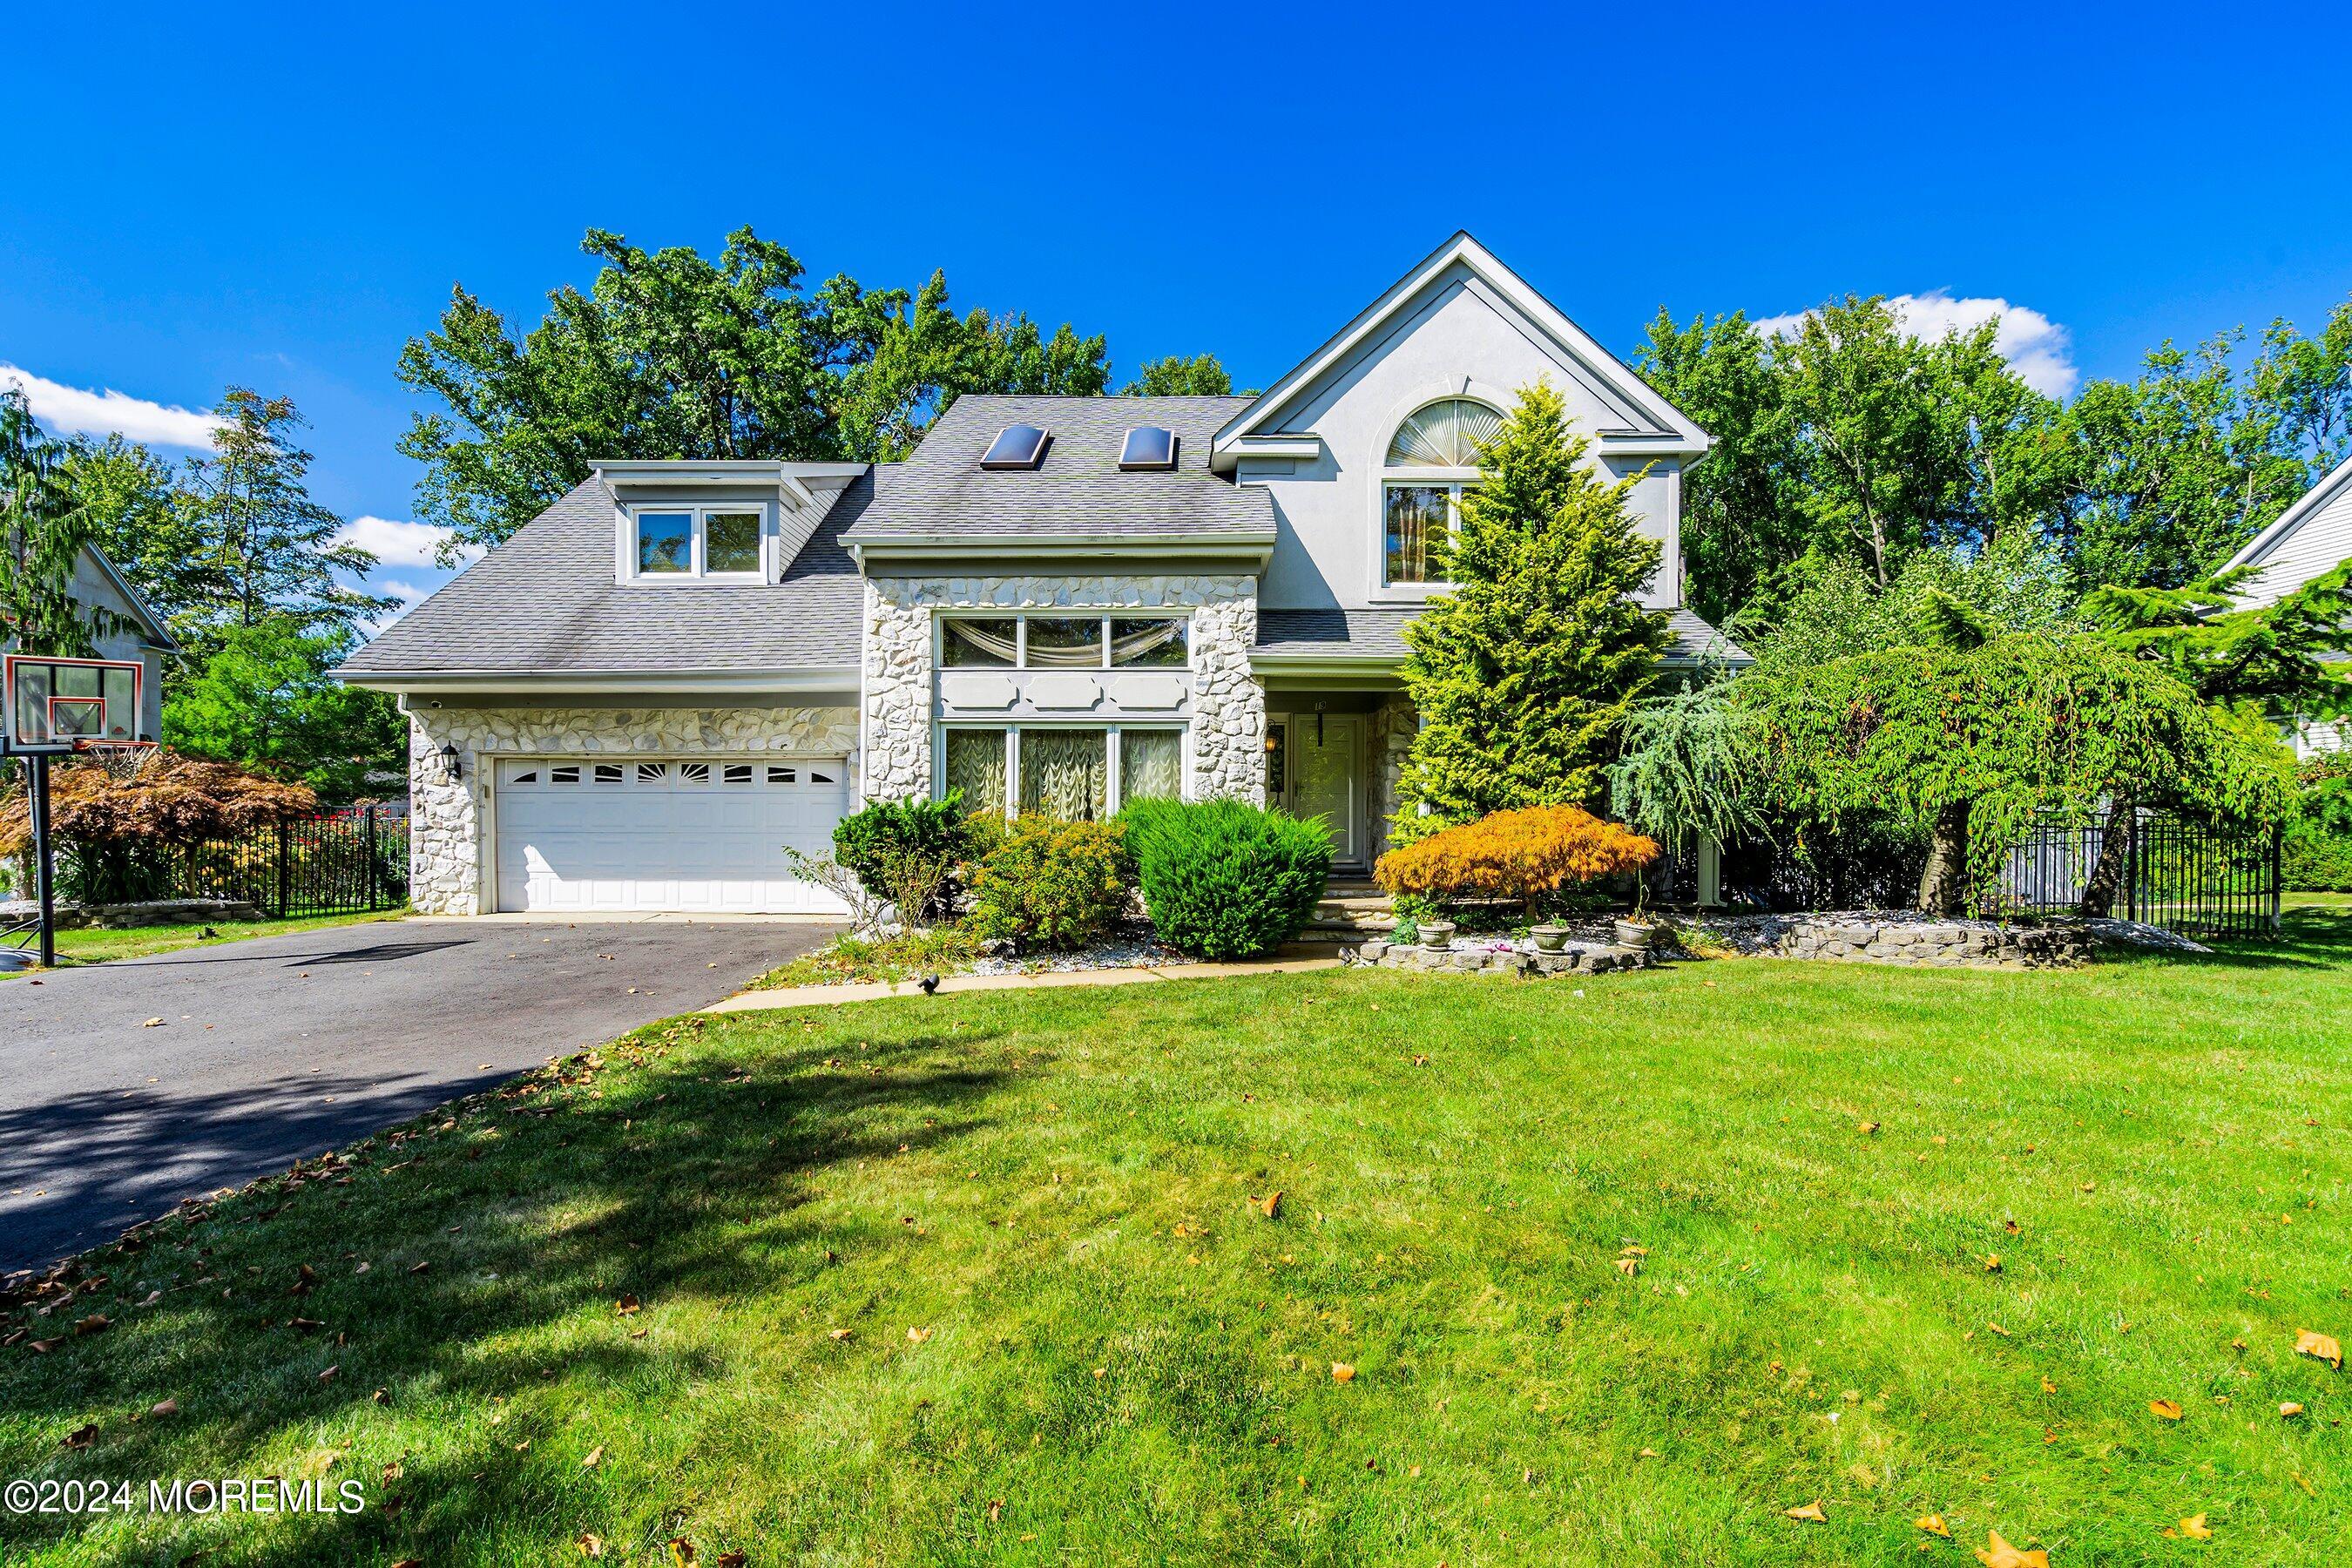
pixel 1066 642
pixel 683 542
pixel 1431 462
pixel 1081 773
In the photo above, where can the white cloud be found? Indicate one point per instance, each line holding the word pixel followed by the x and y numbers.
pixel 2037 348
pixel 395 543
pixel 409 594
pixel 73 411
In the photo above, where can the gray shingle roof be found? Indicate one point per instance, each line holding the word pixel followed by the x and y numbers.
pixel 1380 634
pixel 942 491
pixel 545 602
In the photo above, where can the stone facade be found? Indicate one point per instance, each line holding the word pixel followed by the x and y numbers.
pixel 448 873
pixel 1228 723
pixel 1474 958
pixel 1949 944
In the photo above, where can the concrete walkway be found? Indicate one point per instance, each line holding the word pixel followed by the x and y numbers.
pixel 830 995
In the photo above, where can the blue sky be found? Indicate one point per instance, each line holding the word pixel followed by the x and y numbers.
pixel 199 197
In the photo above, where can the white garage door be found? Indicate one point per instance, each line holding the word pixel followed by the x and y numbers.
pixel 695 835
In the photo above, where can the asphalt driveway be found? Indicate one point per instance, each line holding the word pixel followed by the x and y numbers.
pixel 281 1047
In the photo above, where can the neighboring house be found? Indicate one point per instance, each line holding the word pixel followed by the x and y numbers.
pixel 2312 536
pixel 134 632
pixel 680 669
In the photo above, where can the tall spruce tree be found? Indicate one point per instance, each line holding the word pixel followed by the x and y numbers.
pixel 1524 671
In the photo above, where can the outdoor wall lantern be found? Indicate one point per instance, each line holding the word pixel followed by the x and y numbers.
pixel 450 768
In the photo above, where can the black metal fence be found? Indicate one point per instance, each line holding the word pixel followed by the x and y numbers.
pixel 2193 877
pixel 344 862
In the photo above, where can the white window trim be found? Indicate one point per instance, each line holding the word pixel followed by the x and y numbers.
pixel 1456 479
pixel 1020 619
pixel 698 531
pixel 1114 784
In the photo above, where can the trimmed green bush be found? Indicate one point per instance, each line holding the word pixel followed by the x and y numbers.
pixel 1052 885
pixel 1222 879
pixel 907 851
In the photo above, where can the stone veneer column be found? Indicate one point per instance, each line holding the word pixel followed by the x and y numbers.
pixel 1228 724
pixel 448 872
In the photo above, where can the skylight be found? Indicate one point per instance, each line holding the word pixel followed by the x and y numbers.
pixel 1015 447
pixel 1149 446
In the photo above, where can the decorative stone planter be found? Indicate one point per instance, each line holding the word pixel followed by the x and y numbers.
pixel 1550 937
pixel 1633 933
pixel 1437 936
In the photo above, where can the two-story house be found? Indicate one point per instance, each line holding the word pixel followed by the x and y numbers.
pixel 680 669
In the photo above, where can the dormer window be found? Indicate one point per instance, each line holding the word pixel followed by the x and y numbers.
pixel 1432 461
pixel 1148 447
pixel 1015 447
pixel 685 543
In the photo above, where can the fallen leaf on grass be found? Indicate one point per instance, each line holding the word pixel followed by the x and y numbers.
pixel 1646 1454
pixel 2194 1528
pixel 1998 1553
pixel 628 1306
pixel 2167 1408
pixel 1273 1203
pixel 1342 1372
pixel 682 1550
pixel 1992 1265
pixel 418 1268
pixel 2048 1386
pixel 728 1560
pixel 916 1336
pixel 43 1347
pixel 996 1509
pixel 82 1437
pixel 1629 1266
pixel 2289 1409
pixel 97 1323
pixel 171 1407
pixel 1811 1510
pixel 839 1333
pixel 329 1372
pixel 595 1457
pixel 591 1545
pixel 1933 1523
pixel 410 1563
pixel 2323 1346
pixel 1868 1128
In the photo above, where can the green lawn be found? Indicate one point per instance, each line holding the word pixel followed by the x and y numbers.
pixel 986 1278
pixel 97 945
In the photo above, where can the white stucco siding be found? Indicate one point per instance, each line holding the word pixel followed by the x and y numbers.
pixel 1458 341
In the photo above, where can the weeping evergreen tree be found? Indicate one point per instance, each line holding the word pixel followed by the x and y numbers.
pixel 1525 670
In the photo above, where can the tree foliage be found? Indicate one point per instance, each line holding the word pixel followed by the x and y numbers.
pixel 43 529
pixel 667 355
pixel 1175 376
pixel 267 699
pixel 2283 660
pixel 1969 747
pixel 1524 669
pixel 1842 437
pixel 1523 855
pixel 162 797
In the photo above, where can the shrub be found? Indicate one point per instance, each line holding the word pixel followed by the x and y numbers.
pixel 120 825
pixel 1522 855
pixel 1222 879
pixel 907 851
pixel 1051 885
pixel 2316 853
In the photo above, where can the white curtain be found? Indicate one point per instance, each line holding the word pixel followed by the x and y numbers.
pixel 1064 773
pixel 1444 434
pixel 975 764
pixel 1150 765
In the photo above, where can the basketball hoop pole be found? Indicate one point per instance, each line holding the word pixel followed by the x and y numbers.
pixel 36 793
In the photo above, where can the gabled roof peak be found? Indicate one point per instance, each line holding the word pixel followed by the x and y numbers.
pixel 1669 431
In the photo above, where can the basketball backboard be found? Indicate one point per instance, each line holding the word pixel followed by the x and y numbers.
pixel 66 704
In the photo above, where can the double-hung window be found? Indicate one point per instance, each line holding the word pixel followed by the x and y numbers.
pixel 683 543
pixel 1432 461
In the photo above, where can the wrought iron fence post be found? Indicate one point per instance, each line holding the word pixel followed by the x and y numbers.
pixel 371 860
pixel 284 864
pixel 2278 875
pixel 2131 862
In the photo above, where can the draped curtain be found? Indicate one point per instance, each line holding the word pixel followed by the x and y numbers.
pixel 975 764
pixel 1149 641
pixel 1064 773
pixel 1445 435
pixel 1150 765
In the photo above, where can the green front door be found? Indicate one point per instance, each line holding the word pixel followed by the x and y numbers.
pixel 1322 760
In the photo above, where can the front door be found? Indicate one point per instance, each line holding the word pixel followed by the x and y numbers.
pixel 1323 749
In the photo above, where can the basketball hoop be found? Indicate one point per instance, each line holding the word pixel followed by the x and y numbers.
pixel 121 758
pixel 53 706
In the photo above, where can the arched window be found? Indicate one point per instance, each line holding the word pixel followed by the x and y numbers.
pixel 1432 459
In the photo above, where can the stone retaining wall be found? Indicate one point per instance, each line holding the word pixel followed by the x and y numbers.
pixel 1575 960
pixel 1949 944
